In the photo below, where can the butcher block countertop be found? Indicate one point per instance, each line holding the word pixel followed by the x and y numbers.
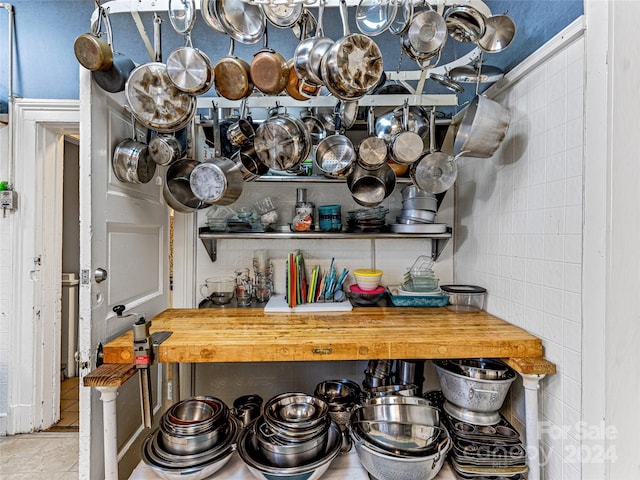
pixel 251 335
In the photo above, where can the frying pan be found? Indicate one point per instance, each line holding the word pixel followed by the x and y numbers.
pixel 268 70
pixel 189 69
pixel 372 151
pixel 92 51
pixel 500 31
pixel 114 79
pixel 353 65
pixel 232 76
pixel 425 37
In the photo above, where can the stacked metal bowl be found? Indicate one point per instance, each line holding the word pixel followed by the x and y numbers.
pixel 294 436
pixel 399 438
pixel 195 439
pixel 418 206
pixel 342 396
pixel 474 389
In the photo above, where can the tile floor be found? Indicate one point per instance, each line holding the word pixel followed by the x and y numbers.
pixel 49 455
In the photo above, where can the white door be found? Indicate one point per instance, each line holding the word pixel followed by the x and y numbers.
pixel 124 230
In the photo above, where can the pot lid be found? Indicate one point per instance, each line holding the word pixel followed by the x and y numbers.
pixel 470 74
pixel 463 289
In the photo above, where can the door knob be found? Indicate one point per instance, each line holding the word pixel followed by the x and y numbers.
pixel 100 275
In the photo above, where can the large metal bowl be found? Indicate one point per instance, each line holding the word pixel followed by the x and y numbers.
pixel 473 394
pixel 295 411
pixel 405 413
pixel 382 465
pixel 404 437
pixel 261 468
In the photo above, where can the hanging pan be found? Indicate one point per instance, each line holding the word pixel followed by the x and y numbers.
pixel 232 76
pixel 406 146
pixel 154 99
pixel 353 65
pixel 189 69
pixel 425 37
pixel 92 51
pixel 437 171
pixel 244 22
pixel 268 69
pixel 307 57
pixel 482 129
pixel 372 151
pixel 114 79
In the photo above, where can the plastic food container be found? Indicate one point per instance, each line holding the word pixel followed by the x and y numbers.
pixel 465 298
pixel 367 279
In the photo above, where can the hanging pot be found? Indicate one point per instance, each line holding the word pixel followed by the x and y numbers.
pixel 465 23
pixel 304 26
pixel 353 65
pixel 307 58
pixel 154 99
pixel 314 126
pixel 282 142
pixel 92 51
pixel 250 165
pixel 176 189
pixel 232 77
pixel 294 84
pixel 217 181
pixel 372 151
pixel 131 162
pixel 425 37
pixel 370 187
pixel 391 123
pixel 268 70
pixel 114 79
pixel 241 132
pixel 335 155
pixel 166 148
pixel 482 129
pixel 406 146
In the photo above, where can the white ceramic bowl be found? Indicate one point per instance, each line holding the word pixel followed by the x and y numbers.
pixel 367 279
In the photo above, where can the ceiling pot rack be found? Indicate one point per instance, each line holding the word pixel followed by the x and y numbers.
pixel 418 99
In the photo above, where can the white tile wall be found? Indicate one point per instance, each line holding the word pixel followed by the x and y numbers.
pixel 529 195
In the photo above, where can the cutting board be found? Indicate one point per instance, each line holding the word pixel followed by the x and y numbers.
pixel 277 303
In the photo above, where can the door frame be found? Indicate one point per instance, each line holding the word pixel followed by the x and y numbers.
pixel 34 347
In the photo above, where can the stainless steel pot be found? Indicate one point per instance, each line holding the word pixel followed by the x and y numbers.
pixel 131 162
pixel 370 187
pixel 335 155
pixel 176 189
pixel 250 165
pixel 353 65
pixel 465 23
pixel 390 123
pixel 406 146
pixel 474 394
pixel 217 181
pixel 244 22
pixel 282 142
pixel 167 148
pixel 307 58
pixel 425 37
pixel 482 129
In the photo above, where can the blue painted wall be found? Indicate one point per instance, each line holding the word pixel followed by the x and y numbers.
pixel 45 66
